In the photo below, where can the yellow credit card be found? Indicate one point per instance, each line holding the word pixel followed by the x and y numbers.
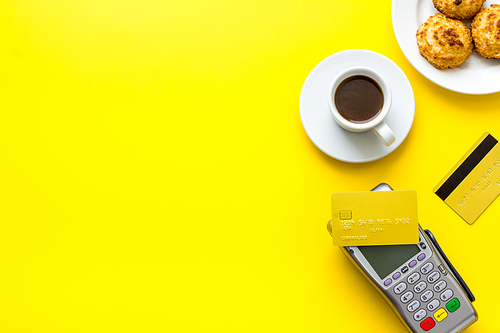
pixel 474 182
pixel 374 218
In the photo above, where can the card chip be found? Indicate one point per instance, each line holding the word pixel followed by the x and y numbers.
pixel 345 214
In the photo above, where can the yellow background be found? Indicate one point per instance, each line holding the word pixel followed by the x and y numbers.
pixel 155 175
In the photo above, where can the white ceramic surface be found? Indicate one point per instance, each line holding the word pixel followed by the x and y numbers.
pixel 320 125
pixel 377 124
pixel 476 76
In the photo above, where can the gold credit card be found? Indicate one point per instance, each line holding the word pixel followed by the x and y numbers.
pixel 474 182
pixel 374 218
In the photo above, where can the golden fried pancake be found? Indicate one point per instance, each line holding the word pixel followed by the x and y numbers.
pixel 458 9
pixel 486 32
pixel 444 42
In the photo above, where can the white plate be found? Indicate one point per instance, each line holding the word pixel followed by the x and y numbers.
pixel 476 76
pixel 318 121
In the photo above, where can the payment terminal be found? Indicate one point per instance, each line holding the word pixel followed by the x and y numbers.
pixel 417 281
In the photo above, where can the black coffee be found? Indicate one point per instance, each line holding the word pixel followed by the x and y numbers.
pixel 359 99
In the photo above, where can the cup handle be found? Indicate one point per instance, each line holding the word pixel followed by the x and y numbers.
pixel 384 133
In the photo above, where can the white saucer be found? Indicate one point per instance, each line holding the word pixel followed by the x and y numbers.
pixel 322 129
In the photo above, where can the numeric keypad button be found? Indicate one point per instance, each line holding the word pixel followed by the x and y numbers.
pixel 446 295
pixel 407 296
pixel 433 305
pixel 426 268
pixel 413 278
pixel 400 288
pixel 427 295
pixel 439 286
pixel 419 315
pixel 419 287
pixel 433 277
pixel 413 306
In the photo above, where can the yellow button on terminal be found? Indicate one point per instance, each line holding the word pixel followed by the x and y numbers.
pixel 440 314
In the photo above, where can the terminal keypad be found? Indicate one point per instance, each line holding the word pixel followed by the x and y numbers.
pixel 427 296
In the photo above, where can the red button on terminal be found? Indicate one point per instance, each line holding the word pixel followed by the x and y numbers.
pixel 427 324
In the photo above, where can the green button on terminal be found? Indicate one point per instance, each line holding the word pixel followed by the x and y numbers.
pixel 453 305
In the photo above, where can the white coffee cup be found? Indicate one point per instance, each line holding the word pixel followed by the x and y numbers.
pixel 376 124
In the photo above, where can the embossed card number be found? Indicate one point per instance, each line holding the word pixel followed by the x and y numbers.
pixel 374 218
